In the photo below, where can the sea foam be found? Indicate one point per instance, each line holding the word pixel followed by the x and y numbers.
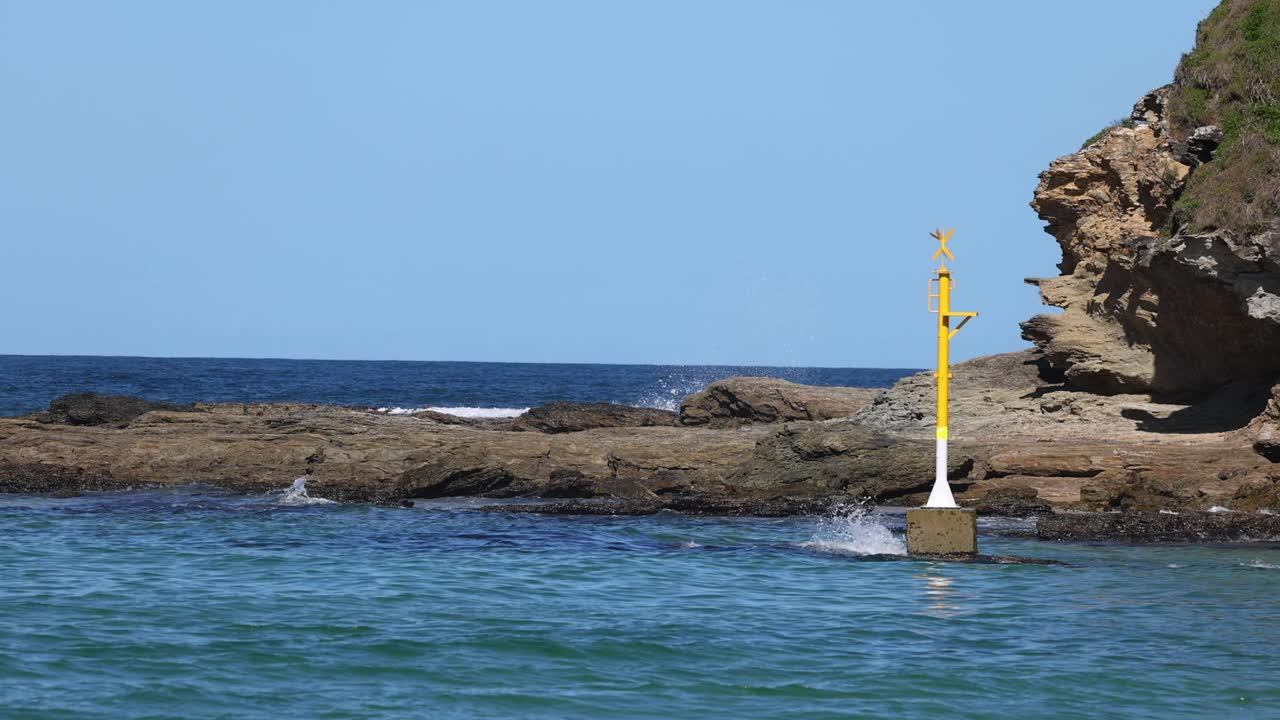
pixel 466 412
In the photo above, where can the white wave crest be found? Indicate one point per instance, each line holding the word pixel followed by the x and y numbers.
pixel 851 530
pixel 297 495
pixel 1260 565
pixel 466 412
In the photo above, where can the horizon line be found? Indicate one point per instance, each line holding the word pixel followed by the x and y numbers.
pixel 472 362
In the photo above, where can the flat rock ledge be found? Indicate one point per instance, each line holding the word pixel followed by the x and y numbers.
pixel 758 400
pixel 1160 527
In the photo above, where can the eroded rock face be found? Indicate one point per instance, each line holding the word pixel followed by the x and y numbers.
pixel 754 400
pixel 1145 310
pixel 843 458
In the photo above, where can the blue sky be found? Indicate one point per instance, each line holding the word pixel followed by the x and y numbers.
pixel 662 181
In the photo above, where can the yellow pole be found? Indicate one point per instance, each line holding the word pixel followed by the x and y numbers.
pixel 940 495
pixel 944 348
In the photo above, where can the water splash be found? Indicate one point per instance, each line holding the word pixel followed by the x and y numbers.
pixel 852 530
pixel 297 495
pixel 678 384
pixel 1261 565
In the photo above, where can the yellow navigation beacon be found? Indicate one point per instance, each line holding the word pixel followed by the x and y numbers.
pixel 940 287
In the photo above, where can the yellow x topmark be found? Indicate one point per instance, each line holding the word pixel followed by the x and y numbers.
pixel 942 238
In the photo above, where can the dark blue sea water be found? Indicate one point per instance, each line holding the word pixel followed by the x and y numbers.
pixel 28 382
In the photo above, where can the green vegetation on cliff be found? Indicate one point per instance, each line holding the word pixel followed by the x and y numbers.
pixel 1232 79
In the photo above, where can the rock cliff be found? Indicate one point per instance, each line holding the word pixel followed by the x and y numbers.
pixel 1170 227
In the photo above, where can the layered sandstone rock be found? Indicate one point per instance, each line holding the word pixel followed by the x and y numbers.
pixel 753 400
pixel 1148 307
pixel 355 454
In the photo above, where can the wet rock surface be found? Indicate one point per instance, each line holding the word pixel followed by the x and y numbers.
pixel 55 480
pixel 1139 527
pixel 720 507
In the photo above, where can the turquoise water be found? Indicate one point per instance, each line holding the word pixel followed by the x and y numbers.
pixel 194 603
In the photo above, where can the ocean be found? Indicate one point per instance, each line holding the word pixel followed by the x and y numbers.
pixel 193 602
pixel 29 382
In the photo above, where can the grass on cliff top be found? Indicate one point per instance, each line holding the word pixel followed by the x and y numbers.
pixel 1120 122
pixel 1232 79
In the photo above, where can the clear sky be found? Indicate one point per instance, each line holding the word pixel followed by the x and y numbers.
pixel 655 181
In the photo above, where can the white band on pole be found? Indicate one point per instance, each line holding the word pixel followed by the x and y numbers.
pixel 940 496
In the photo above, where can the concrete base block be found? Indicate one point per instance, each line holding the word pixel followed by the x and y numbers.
pixel 942 531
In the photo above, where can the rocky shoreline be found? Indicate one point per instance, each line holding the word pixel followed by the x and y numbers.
pixel 1083 464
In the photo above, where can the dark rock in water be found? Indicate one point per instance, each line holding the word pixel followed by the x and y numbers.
pixel 59 480
pixel 580 507
pixel 691 505
pixel 754 400
pixel 1012 502
pixel 980 559
pixel 561 417
pixel 97 409
pixel 1160 527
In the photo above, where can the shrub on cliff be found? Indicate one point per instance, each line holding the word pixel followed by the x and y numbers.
pixel 1232 79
